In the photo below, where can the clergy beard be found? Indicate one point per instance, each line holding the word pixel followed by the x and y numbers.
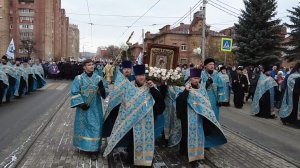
pixel 195 86
pixel 138 84
pixel 210 71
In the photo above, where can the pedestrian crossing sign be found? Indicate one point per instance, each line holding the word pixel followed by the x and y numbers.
pixel 226 44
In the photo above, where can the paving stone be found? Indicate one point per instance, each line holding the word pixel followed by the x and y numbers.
pixel 54 148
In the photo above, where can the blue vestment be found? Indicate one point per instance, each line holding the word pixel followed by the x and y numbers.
pixel 198 109
pixel 116 97
pixel 136 113
pixel 216 92
pixel 287 101
pixel 264 84
pixel 87 124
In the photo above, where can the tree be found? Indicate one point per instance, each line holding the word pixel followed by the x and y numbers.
pixel 293 46
pixel 27 46
pixel 112 52
pixel 259 37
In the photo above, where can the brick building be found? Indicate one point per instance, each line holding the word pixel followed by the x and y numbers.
pixel 188 37
pixel 21 23
pixel 42 22
pixel 73 42
pixel 4 28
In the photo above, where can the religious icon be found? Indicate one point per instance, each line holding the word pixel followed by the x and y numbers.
pixel 162 56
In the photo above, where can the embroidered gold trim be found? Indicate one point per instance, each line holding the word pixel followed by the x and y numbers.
pixel 142 163
pixel 75 96
pixel 88 138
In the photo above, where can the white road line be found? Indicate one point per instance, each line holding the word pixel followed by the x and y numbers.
pixel 62 86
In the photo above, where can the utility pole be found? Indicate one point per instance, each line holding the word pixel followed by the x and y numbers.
pixel 143 37
pixel 203 29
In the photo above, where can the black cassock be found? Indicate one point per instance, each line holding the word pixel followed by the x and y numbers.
pixel 292 118
pixel 30 83
pixel 12 82
pixel 2 86
pixel 158 109
pixel 239 91
pixel 265 106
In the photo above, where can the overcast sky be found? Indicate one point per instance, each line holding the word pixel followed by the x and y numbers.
pixel 110 17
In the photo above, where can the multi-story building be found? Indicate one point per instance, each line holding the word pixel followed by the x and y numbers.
pixel 73 42
pixel 4 28
pixel 42 22
pixel 21 24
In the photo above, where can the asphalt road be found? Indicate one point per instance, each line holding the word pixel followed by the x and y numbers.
pixel 269 133
pixel 20 115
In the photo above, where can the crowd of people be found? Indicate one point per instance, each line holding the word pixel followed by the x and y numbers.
pixel 274 91
pixel 141 113
pixel 19 78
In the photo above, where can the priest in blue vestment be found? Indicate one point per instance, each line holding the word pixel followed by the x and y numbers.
pixel 290 106
pixel 4 84
pixel 87 93
pixel 141 104
pixel 226 84
pixel 199 125
pixel 213 85
pixel 264 97
pixel 12 77
pixel 116 96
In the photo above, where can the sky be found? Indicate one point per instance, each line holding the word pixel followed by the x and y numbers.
pixel 114 20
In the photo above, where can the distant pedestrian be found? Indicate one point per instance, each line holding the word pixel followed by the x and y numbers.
pixel 54 70
pixel 239 87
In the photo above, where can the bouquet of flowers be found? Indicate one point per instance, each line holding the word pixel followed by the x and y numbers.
pixel 170 77
pixel 176 77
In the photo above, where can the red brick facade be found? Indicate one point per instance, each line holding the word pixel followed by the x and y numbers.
pixel 45 23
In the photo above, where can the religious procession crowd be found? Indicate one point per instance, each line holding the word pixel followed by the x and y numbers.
pixel 19 78
pixel 142 112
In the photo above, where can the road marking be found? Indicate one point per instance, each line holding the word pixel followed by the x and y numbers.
pixel 47 86
pixel 62 86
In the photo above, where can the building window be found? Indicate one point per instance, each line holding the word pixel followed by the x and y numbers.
pixel 24 10
pixel 183 47
pixel 26 26
pixel 26 18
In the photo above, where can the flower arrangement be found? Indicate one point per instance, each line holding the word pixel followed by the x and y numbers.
pixel 170 77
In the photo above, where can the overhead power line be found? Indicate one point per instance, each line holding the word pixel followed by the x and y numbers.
pixel 229 5
pixel 124 16
pixel 138 19
pixel 187 14
pixel 223 10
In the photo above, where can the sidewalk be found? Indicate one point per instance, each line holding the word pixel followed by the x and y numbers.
pixel 53 148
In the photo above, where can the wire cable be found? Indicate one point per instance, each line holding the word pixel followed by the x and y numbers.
pixel 187 14
pixel 223 10
pixel 229 5
pixel 138 19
